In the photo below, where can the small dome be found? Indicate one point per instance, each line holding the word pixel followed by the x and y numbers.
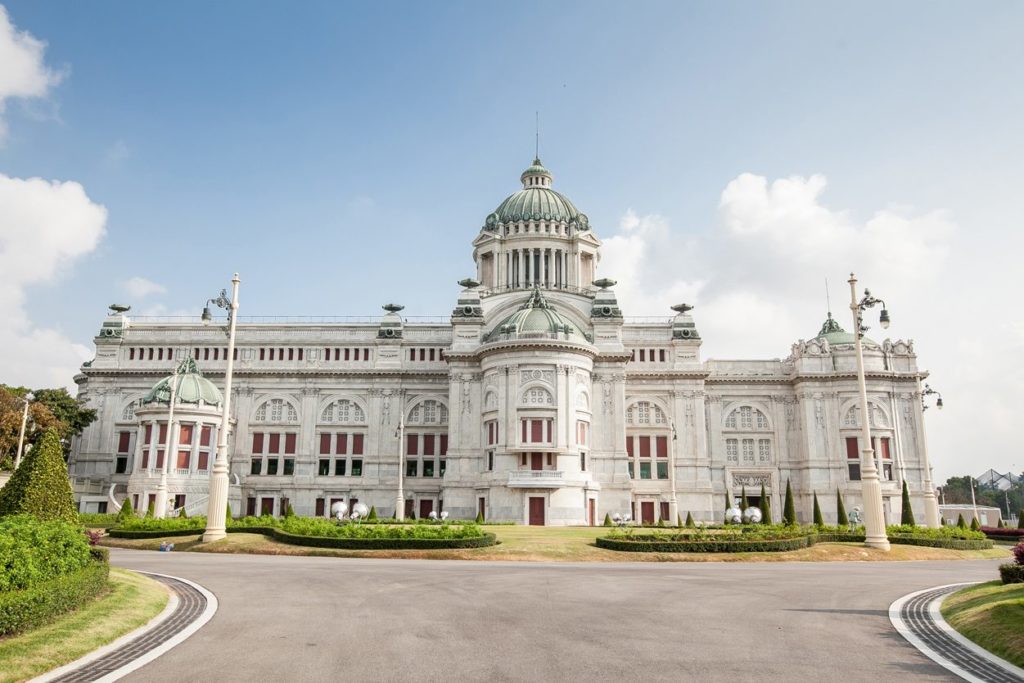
pixel 537 202
pixel 834 334
pixel 192 387
pixel 535 318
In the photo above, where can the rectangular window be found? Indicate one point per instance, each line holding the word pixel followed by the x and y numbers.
pixel 412 354
pixel 184 459
pixel 123 441
pixel 662 469
pixel 149 434
pixel 121 466
pixel 631 474
pixel 524 439
pixel 412 444
pixel 428 468
pixel 163 433
pixel 205 435
pixel 583 462
pixel 536 431
pixel 852 458
pixel 325 444
pixel 324 467
pixel 160 460
pixel 643 355
pixel 347 354
pixel 339 467
pixel 490 461
pixel 204 461
pixel 661 355
pixel 131 354
pixel 341 447
pixel 423 354
pixel 357 467
pixel 629 446
pixel 275 443
pixel 300 354
pixel 271 465
pixel 431 354
pixel 250 507
pixel 291 354
pixel 289 466
pixel 441 468
pixel 645 469
pixel 886 453
pixel 443 448
pixel 357 445
pixel 272 350
pixel 256 466
pixel 145 459
pixel 428 445
pixel 257 442
pixel 662 446
pixel 319 509
pixel 289 443
pixel 645 447
pixel 748 450
pixel 185 435
pixel 263 354
pixel 411 467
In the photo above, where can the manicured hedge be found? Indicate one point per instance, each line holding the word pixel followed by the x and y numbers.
pixel 949 543
pixel 1005 534
pixel 97 520
pixel 706 544
pixel 33 551
pixel 384 543
pixel 1011 573
pixel 42 602
pixel 154 533
pixel 840 538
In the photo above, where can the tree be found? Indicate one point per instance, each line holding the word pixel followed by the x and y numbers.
pixel 149 511
pixel 182 514
pixel 728 500
pixel 841 518
pixel 40 486
pixel 789 509
pixel 289 511
pixel 480 518
pixel 907 516
pixel 1020 519
pixel 227 516
pixel 607 519
pixel 975 525
pixel 71 413
pixel 689 520
pixel 960 522
pixel 12 407
pixel 766 508
pixel 126 511
pixel 373 513
pixel 819 520
pixel 999 524
pixel 744 503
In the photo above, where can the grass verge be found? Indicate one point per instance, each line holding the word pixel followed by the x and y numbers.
pixel 991 615
pixel 133 599
pixel 562 544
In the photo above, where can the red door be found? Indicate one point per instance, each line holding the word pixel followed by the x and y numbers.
pixel 591 512
pixel 647 512
pixel 536 461
pixel 266 506
pixel 250 507
pixel 410 508
pixel 481 505
pixel 537 511
pixel 426 507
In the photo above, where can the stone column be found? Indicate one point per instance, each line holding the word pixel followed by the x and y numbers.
pixel 562 406
pixel 154 438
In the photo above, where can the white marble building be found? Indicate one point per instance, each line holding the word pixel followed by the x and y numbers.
pixel 535 402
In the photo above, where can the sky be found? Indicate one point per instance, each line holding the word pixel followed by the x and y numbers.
pixel 342 155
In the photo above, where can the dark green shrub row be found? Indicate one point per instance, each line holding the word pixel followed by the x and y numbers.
pixel 1011 573
pixel 384 543
pixel 941 532
pixel 839 538
pixel 97 520
pixel 708 544
pixel 41 603
pixel 197 523
pixel 154 533
pixel 948 543
pixel 33 552
pixel 306 526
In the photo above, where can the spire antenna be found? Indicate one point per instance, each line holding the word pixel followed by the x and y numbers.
pixel 536 147
pixel 828 301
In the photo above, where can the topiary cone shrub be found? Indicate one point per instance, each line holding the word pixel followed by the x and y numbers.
pixel 766 508
pixel 789 511
pixel 227 515
pixel 819 520
pixel 679 520
pixel 126 511
pixel 907 516
pixel 841 518
pixel 479 518
pixel 744 503
pixel 689 520
pixel 372 516
pixel 40 486
pixel 975 526
pixel 182 514
pixel 999 524
pixel 607 519
pixel 289 511
pixel 1020 519
pixel 960 522
pixel 149 511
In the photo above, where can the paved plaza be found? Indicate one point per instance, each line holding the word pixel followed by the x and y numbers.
pixel 309 618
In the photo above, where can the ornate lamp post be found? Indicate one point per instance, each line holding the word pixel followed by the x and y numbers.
pixel 21 435
pixel 673 502
pixel 169 447
pixel 218 502
pixel 932 518
pixel 400 433
pixel 871 487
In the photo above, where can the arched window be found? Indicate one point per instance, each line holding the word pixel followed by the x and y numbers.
pixel 582 401
pixel 645 413
pixel 429 412
pixel 538 397
pixel 343 411
pixel 128 414
pixel 752 449
pixel 747 418
pixel 276 410
pixel 878 417
pixel 491 401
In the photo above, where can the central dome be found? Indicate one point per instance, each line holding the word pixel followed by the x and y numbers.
pixel 537 202
pixel 534 319
pixel 191 387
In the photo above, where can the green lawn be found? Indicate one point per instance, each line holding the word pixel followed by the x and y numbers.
pixel 561 544
pixel 992 615
pixel 133 600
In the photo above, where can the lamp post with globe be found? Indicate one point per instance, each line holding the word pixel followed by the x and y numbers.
pixel 27 399
pixel 931 503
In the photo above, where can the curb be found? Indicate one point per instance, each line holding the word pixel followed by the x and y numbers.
pixel 989 668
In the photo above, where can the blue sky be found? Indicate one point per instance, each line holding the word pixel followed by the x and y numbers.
pixel 342 155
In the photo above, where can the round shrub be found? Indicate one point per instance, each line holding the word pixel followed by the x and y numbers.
pixel 34 551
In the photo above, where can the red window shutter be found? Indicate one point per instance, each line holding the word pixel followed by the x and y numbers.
pixel 289 443
pixel 185 435
pixel 431 354
pixel 523 422
pixel 325 444
pixel 347 351
pixel 183 459
pixel 291 354
pixel 886 453
pixel 629 446
pixel 412 444
pixel 123 440
pixel 423 354
pixel 366 354
pixel 412 354
pixel 159 460
pixel 428 444
pixel 645 446
pixel 145 459
pixel 163 433
pixel 443 450
pixel 205 434
pixel 355 354
pixel 300 354
pixel 536 431
pixel 643 354
pixel 341 447
pixel 204 461
pixel 661 355
pixel 357 444
pixel 257 442
pixel 551 431
pixel 149 434
pixel 319 511
pixel 263 354
pixel 337 354
pixel 327 354
pixel 131 354
pixel 851 448
pixel 275 443
pixel 662 445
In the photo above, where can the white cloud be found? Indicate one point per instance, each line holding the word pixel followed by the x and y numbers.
pixel 23 74
pixel 116 153
pixel 757 278
pixel 139 287
pixel 44 228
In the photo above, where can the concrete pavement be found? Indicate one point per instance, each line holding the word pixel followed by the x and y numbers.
pixel 313 619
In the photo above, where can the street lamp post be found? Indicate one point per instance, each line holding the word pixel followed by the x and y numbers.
pixel 673 502
pixel 217 510
pixel 871 487
pixel 974 503
pixel 400 433
pixel 169 447
pixel 21 435
pixel 931 504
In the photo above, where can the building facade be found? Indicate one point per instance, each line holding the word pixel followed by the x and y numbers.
pixel 536 402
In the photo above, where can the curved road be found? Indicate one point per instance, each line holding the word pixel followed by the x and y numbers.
pixel 314 619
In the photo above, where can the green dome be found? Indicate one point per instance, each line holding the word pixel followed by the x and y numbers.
pixel 535 318
pixel 192 387
pixel 536 202
pixel 834 334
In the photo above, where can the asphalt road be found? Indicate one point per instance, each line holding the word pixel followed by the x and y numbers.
pixel 319 619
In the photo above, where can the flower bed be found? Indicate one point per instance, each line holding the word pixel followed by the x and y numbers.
pixel 1005 534
pixel 384 542
pixel 748 539
pixel 1014 572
